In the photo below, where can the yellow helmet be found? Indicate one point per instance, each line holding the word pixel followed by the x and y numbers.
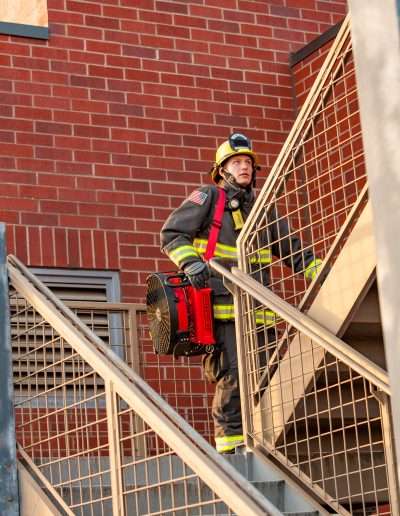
pixel 237 143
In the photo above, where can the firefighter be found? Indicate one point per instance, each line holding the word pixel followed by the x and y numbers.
pixel 184 239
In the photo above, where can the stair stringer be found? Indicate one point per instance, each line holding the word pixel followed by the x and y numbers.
pixel 33 500
pixel 340 294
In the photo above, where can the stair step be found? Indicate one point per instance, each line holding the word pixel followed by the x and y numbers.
pixel 164 496
pixel 265 478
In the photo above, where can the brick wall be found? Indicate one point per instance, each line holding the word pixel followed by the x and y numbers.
pixel 106 126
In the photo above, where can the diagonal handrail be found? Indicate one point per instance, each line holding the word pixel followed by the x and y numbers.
pixel 274 179
pixel 225 481
pixel 320 335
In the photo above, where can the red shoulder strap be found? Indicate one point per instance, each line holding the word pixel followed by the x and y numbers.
pixel 215 225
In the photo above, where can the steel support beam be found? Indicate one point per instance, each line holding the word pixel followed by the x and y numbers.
pixel 376 45
pixel 9 502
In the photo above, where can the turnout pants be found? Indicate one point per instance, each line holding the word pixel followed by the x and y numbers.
pixel 221 368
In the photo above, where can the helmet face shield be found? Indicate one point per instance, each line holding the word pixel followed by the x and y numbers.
pixel 237 143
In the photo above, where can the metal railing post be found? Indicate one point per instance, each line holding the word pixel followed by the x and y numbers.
pixel 9 501
pixel 114 448
pixel 390 452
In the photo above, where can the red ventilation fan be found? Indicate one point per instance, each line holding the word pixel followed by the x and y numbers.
pixel 180 316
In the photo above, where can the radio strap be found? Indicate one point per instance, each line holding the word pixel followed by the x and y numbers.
pixel 215 225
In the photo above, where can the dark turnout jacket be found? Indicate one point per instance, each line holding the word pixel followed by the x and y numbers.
pixel 184 238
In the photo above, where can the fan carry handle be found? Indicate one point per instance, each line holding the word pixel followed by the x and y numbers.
pixel 179 275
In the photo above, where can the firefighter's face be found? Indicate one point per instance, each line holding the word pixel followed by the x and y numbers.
pixel 241 168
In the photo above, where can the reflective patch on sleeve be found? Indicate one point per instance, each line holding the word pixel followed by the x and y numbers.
pixel 198 197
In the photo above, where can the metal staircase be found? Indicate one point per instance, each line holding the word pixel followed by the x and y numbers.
pixel 316 398
pixel 94 439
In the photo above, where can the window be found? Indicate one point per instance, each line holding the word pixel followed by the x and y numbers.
pixel 24 18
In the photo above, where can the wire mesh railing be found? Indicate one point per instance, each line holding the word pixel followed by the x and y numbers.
pixel 180 381
pixel 123 327
pixel 316 405
pixel 314 185
pixel 102 440
pixel 317 413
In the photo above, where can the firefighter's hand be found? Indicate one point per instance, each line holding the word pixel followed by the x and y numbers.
pixel 197 273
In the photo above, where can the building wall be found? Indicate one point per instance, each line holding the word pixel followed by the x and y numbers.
pixel 106 126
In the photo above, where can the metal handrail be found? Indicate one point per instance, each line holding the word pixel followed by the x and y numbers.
pixel 226 482
pixel 320 335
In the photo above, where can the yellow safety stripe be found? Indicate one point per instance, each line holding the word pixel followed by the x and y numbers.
pixel 178 254
pixel 266 317
pixel 227 312
pixel 312 269
pixel 228 442
pixel 224 312
pixel 262 256
pixel 230 252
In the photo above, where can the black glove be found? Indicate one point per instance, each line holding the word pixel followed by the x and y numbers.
pixel 197 273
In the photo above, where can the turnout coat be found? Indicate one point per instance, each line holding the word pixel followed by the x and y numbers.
pixel 184 238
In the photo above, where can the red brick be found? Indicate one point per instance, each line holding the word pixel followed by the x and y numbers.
pixel 52 102
pixel 34 246
pixel 108 120
pixel 30 63
pixel 37 219
pixel 6 86
pixel 74 168
pixel 52 128
pixel 53 153
pixel 35 165
pixel 113 258
pixel 58 207
pixel 90 131
pixel 83 7
pixel 72 142
pixel 116 224
pixel 78 221
pixel 7 136
pixel 9 217
pixel 111 171
pixel 114 198
pixel 14 49
pixel 130 160
pixel 86 247
pixel 94 183
pixel 103 47
pixel 171 55
pixel 34 113
pixel 171 7
pixel 66 194
pixel 13 150
pixel 99 249
pixel 73 249
pixel 21 242
pixel 87 82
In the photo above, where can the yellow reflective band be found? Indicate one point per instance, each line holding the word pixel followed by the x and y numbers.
pixel 228 442
pixel 230 252
pixel 262 256
pixel 221 250
pixel 200 245
pixel 227 250
pixel 224 312
pixel 180 253
pixel 312 269
pixel 266 317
